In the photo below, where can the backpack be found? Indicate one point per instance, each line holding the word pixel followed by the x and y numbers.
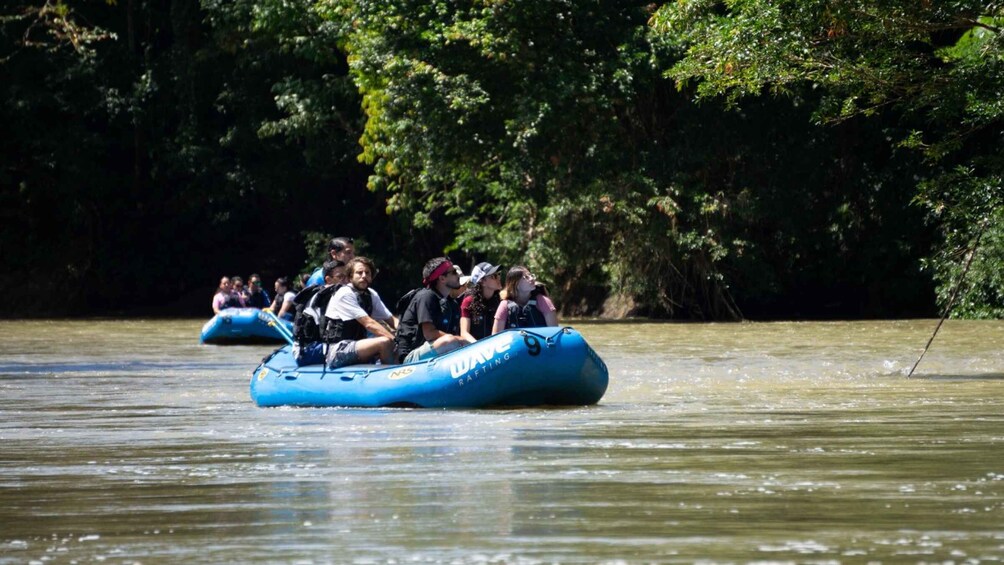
pixel 402 303
pixel 311 302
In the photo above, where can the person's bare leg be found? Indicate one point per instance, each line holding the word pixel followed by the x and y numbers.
pixel 372 347
pixel 448 343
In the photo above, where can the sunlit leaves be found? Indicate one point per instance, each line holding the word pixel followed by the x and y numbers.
pixel 935 65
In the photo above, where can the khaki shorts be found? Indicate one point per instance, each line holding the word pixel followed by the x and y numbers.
pixel 423 352
pixel 342 353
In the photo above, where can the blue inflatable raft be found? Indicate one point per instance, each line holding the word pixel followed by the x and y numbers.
pixel 542 366
pixel 243 326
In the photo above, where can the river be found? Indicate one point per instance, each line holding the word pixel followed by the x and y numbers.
pixel 129 442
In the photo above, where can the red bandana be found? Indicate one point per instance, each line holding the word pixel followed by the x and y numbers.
pixel 440 270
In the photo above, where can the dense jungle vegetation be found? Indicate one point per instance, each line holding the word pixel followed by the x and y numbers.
pixel 696 159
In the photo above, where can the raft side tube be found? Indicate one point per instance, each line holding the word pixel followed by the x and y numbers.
pixel 542 366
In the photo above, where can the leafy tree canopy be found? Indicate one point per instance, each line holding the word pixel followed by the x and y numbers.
pixel 937 67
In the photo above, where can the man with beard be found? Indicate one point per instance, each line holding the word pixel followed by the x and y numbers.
pixel 353 311
pixel 430 325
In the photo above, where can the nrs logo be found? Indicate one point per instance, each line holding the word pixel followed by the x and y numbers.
pixel 478 355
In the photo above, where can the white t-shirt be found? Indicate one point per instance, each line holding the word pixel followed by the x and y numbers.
pixel 345 306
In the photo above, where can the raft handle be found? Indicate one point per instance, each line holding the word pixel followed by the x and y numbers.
pixel 549 340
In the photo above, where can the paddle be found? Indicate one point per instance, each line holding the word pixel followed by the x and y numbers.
pixel 955 294
pixel 279 327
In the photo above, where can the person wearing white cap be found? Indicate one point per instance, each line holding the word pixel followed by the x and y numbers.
pixel 477 310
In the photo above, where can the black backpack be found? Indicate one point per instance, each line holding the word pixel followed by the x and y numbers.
pixel 310 303
pixel 402 303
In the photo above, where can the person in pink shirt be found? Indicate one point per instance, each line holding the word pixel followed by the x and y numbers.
pixel 226 297
pixel 526 304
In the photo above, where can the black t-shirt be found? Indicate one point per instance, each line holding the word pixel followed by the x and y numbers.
pixel 426 306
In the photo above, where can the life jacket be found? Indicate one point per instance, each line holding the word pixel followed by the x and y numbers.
pixel 233 300
pixel 481 324
pixel 310 322
pixel 340 330
pixel 280 297
pixel 258 299
pixel 409 333
pixel 526 316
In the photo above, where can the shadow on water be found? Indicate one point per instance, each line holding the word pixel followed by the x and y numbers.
pixel 128 367
pixel 959 377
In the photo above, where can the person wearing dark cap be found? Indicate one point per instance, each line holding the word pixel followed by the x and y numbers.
pixel 477 309
pixel 340 249
pixel 430 325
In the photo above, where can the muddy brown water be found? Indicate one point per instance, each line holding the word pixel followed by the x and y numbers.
pixel 129 442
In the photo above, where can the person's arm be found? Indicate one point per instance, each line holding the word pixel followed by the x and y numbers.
pixel 382 314
pixel 426 314
pixel 286 305
pixel 375 327
pixel 501 317
pixel 465 319
pixel 465 329
pixel 430 332
pixel 547 308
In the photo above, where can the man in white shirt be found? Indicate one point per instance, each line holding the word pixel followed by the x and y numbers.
pixel 354 313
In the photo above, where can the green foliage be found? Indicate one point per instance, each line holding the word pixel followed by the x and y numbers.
pixel 933 67
pixel 150 147
pixel 53 27
pixel 970 211
pixel 547 133
pixel 522 126
pixel 316 245
pixel 642 159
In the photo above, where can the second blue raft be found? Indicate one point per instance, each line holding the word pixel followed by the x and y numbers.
pixel 233 326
